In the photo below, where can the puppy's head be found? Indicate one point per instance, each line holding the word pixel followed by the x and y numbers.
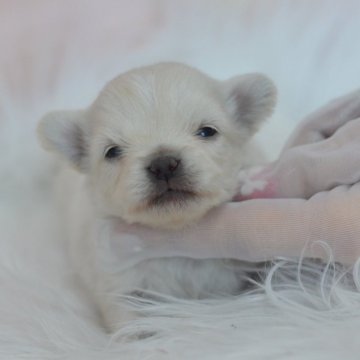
pixel 163 144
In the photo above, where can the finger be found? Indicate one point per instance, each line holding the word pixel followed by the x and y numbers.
pixel 324 122
pixel 305 170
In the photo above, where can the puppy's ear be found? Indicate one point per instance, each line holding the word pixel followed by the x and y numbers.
pixel 65 132
pixel 250 99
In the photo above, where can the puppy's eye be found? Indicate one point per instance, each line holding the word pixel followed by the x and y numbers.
pixel 113 152
pixel 206 132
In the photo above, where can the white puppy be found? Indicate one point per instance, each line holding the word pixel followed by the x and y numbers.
pixel 160 146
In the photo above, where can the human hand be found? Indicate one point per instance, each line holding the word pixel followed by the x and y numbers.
pixel 322 153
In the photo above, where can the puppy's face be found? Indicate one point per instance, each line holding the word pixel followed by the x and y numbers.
pixel 162 145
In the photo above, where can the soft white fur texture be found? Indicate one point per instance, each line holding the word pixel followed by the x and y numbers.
pixel 308 48
pixel 147 114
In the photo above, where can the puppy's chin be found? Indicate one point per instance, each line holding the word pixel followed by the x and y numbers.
pixel 172 210
pixel 172 198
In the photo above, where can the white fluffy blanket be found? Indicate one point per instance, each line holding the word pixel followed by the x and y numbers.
pixel 59 54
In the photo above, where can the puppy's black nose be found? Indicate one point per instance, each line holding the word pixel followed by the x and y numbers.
pixel 164 168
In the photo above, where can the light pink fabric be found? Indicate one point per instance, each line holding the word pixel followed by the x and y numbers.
pixel 313 199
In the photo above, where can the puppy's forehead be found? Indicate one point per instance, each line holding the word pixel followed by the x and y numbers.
pixel 158 90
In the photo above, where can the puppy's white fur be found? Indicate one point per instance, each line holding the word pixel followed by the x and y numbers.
pixel 147 113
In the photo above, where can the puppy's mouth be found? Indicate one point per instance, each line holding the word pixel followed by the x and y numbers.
pixel 172 196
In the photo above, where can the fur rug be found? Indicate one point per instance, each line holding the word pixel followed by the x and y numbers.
pixel 59 54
